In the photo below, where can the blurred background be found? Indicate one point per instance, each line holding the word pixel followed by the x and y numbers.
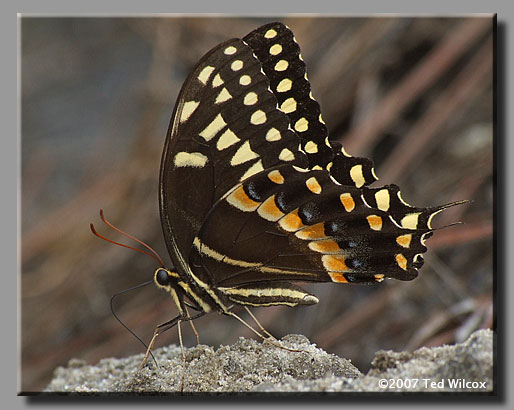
pixel 414 94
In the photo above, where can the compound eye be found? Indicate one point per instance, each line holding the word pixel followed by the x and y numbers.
pixel 162 277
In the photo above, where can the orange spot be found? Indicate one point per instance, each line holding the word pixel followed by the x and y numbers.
pixel 404 240
pixel 240 200
pixel 313 185
pixel 401 261
pixel 291 222
pixel 276 177
pixel 269 211
pixel 338 277
pixel 325 246
pixel 334 263
pixel 375 222
pixel 379 277
pixel 316 231
pixel 347 201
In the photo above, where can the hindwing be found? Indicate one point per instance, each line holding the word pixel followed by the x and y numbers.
pixel 285 223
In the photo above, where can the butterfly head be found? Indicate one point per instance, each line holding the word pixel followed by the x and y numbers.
pixel 165 278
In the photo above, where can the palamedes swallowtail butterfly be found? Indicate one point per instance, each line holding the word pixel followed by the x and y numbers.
pixel 270 199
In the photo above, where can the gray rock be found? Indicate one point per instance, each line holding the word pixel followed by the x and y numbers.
pixel 465 367
pixel 299 366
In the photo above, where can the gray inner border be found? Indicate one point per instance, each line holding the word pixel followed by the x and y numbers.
pixel 10 151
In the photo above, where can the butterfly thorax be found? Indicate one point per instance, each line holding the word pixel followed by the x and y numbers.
pixel 202 296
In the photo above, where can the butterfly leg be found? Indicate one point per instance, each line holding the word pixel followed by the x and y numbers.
pixel 271 339
pixel 193 327
pixel 259 324
pixel 246 324
pixel 162 328
pixel 182 379
pixel 157 331
pixel 190 320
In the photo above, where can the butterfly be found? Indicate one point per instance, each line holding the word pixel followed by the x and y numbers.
pixel 254 196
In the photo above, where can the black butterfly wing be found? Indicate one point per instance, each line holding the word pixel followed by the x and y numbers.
pixel 225 128
pixel 291 224
pixel 254 195
pixel 287 75
pixel 288 80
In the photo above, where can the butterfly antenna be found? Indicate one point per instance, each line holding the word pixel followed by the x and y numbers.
pixel 154 254
pixel 130 237
pixel 123 324
pixel 447 226
pixel 452 204
pixel 125 246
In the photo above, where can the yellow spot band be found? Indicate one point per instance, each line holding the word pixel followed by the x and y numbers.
pixel 291 222
pixel 357 175
pixel 382 198
pixel 269 211
pixel 241 201
pixel 325 247
pixel 410 221
pixel 337 277
pixel 401 261
pixel 335 263
pixel 276 177
pixel 347 201
pixel 275 49
pixel 312 232
pixel 375 222
pixel 404 240
pixel 313 185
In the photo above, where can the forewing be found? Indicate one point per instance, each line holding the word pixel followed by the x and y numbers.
pixel 225 128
